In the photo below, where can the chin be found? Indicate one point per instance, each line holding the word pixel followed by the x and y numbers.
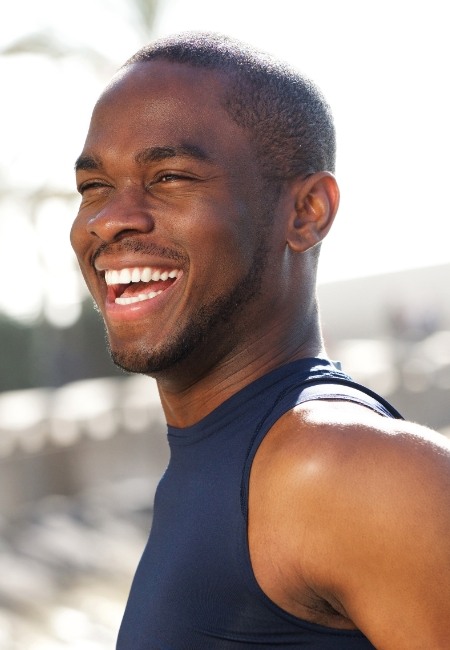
pixel 149 361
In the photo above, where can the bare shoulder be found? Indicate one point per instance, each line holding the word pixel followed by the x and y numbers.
pixel 341 440
pixel 368 503
pixel 342 455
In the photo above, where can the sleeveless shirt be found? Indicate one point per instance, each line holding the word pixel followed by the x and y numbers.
pixel 194 588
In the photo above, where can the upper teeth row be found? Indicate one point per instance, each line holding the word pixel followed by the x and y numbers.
pixel 146 274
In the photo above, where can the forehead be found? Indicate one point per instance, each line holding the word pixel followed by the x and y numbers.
pixel 158 102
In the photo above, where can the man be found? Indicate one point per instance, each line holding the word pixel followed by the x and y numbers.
pixel 298 509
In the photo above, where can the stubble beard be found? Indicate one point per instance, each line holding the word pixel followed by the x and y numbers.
pixel 214 322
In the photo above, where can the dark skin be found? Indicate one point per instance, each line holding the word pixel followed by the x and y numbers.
pixel 348 511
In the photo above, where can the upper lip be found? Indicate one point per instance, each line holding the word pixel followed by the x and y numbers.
pixel 134 254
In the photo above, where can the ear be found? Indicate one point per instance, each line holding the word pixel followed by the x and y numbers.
pixel 314 206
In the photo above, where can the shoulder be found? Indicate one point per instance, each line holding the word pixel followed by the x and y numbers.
pixel 346 458
pixel 368 501
pixel 344 439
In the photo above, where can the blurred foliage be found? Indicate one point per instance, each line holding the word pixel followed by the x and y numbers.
pixel 40 355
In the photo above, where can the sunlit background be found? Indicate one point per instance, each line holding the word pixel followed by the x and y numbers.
pixel 81 445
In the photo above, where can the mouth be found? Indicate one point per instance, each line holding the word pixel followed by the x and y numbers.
pixel 137 284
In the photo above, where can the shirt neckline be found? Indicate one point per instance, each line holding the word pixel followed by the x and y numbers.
pixel 242 400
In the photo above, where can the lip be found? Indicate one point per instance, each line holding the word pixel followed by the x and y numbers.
pixel 105 262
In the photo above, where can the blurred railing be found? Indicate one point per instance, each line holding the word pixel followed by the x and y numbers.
pixel 78 469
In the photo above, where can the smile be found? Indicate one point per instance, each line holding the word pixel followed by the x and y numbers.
pixel 131 285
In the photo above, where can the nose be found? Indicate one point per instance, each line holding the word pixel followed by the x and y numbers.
pixel 123 215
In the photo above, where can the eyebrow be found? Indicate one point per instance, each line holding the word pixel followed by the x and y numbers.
pixel 148 155
pixel 86 163
pixel 155 154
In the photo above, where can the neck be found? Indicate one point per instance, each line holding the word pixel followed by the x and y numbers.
pixel 191 391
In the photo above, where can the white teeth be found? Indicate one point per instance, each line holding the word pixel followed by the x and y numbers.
pixel 125 276
pixel 112 277
pixel 136 274
pixel 139 298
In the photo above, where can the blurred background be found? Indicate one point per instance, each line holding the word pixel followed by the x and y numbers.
pixel 81 444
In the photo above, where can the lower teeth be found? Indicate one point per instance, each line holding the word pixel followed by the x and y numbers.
pixel 131 299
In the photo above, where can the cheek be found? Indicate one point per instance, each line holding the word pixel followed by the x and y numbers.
pixel 79 240
pixel 222 230
pixel 222 250
pixel 76 236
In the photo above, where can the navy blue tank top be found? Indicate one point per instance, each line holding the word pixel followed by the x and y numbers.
pixel 194 588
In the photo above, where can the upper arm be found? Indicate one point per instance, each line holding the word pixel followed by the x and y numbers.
pixel 378 534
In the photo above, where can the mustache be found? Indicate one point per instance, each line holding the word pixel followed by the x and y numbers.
pixel 134 245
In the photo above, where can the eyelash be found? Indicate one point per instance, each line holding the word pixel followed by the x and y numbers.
pixel 167 176
pixel 90 185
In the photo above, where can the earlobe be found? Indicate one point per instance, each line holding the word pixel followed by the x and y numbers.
pixel 316 200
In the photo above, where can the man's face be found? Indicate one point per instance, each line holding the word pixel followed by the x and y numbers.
pixel 170 231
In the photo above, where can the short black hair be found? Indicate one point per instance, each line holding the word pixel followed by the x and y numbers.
pixel 285 113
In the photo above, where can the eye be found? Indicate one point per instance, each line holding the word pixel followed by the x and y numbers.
pixel 170 178
pixel 91 185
